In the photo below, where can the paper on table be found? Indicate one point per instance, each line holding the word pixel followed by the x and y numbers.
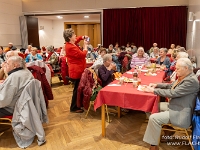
pixel 114 85
pixel 141 87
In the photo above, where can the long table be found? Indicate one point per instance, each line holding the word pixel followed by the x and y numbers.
pixel 126 96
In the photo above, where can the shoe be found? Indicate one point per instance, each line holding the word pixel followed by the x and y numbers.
pixel 154 148
pixel 77 111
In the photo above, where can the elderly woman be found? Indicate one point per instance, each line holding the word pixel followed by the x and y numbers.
pixel 28 50
pixel 163 59
pixel 106 71
pixel 2 55
pixel 155 53
pixel 99 60
pixel 52 58
pixel 171 50
pixel 76 62
pixel 139 58
pixel 151 49
pixel 182 94
pixel 33 56
pixel 111 49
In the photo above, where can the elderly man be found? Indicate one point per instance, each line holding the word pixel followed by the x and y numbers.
pixel 106 70
pixel 179 55
pixel 182 94
pixel 12 87
pixel 9 54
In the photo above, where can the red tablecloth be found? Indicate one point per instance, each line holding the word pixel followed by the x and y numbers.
pixel 89 64
pixel 126 96
pixel 153 60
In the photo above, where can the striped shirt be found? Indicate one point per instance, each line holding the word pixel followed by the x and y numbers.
pixel 139 61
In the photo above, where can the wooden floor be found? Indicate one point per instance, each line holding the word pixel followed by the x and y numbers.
pixel 70 131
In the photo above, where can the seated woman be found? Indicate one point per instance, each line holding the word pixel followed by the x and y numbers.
pixel 155 53
pixel 52 58
pixel 163 59
pixel 99 60
pixel 171 50
pixel 139 58
pixel 105 72
pixel 33 56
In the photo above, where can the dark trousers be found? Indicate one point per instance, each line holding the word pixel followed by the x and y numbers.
pixel 73 106
pixel 4 112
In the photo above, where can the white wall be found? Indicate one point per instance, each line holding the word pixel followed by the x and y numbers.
pixel 193 29
pixel 9 22
pixel 46 35
pixel 52 6
pixel 58 28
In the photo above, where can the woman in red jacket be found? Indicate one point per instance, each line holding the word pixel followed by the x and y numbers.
pixel 76 62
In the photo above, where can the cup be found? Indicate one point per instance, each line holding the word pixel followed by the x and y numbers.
pixel 135 84
pixel 138 81
pixel 121 81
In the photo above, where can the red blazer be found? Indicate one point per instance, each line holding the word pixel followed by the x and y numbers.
pixel 75 59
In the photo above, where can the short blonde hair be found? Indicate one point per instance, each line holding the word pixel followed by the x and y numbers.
pixel 34 49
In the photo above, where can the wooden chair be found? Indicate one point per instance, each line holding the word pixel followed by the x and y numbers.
pixel 180 130
pixel 92 103
pixel 5 121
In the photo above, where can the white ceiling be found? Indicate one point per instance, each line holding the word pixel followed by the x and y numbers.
pixel 71 17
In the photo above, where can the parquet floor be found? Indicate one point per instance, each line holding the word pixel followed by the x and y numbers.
pixel 70 131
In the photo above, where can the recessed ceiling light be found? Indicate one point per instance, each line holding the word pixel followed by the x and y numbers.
pixel 86 16
pixel 59 17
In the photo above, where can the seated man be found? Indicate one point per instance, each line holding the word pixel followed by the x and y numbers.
pixel 9 54
pixel 105 72
pixel 12 87
pixel 182 94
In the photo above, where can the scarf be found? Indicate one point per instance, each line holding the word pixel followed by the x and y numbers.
pixel 49 56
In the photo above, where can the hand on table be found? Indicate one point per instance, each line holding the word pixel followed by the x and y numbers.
pixel 149 89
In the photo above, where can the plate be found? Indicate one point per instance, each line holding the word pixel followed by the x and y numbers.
pixel 144 70
pixel 150 74
pixel 128 80
pixel 128 72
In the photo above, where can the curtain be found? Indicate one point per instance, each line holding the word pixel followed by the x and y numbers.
pixel 145 26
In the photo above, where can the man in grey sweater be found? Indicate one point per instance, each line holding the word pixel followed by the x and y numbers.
pixel 11 88
pixel 182 94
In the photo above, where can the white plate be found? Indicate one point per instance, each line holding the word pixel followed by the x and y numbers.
pixel 128 72
pixel 153 74
pixel 144 70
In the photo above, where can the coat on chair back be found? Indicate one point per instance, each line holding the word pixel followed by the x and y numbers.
pixel 29 114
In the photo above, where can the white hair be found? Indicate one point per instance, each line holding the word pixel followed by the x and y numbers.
pixel 106 57
pixel 19 61
pixel 140 48
pixel 185 62
pixel 182 55
pixel 11 53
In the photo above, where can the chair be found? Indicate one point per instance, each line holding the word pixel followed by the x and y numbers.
pixel 106 107
pixel 6 120
pixel 180 130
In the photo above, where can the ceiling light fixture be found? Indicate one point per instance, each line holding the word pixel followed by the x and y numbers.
pixel 59 17
pixel 86 16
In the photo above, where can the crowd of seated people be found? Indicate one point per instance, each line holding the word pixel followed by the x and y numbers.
pixel 162 56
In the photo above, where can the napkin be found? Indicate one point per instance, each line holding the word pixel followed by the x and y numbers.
pixel 114 85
